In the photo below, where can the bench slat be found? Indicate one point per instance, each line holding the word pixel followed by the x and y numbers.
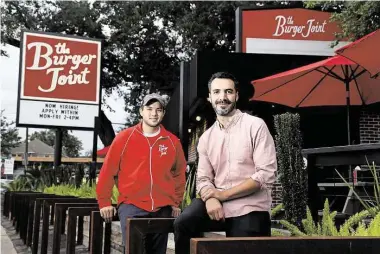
pixel 278 245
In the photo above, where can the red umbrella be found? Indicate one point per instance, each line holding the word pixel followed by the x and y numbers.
pixel 103 152
pixel 363 51
pixel 331 82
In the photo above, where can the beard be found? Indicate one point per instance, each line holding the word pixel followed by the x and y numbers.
pixel 229 107
pixel 152 124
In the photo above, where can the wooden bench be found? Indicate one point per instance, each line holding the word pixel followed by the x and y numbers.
pixel 48 205
pixel 6 204
pixel 279 245
pixel 138 227
pixel 96 234
pixel 59 224
pixel 26 229
pixel 73 213
pixel 13 209
pixel 21 207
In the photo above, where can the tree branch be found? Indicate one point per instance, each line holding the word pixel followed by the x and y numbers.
pixel 15 4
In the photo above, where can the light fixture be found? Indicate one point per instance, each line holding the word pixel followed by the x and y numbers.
pixel 189 130
pixel 198 118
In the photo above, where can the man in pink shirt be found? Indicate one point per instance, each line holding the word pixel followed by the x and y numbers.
pixel 236 170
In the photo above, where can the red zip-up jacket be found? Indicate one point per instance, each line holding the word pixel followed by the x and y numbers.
pixel 150 174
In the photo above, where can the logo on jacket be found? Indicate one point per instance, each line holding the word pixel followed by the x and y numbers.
pixel 162 149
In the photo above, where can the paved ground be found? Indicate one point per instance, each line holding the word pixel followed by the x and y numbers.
pixel 6 243
pixel 15 243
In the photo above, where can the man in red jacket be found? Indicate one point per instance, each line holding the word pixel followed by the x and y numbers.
pixel 150 165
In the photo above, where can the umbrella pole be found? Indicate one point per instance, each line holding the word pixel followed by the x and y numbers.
pixel 348 102
pixel 350 171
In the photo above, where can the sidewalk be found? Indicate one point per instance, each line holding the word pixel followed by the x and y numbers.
pixel 6 243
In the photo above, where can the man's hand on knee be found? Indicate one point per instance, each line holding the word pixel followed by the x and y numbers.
pixel 214 209
pixel 107 213
pixel 175 211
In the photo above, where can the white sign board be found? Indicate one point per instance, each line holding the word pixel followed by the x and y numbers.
pixel 8 166
pixel 62 114
pixel 59 83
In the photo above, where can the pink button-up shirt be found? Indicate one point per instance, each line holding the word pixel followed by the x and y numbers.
pixel 229 156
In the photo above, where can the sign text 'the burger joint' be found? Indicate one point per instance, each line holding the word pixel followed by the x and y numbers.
pixel 62 58
pixel 285 25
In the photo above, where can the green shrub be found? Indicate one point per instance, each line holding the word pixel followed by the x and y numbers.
pixel 292 174
pixel 276 210
pixel 353 226
pixel 190 187
pixel 24 182
pixel 18 184
pixel 84 191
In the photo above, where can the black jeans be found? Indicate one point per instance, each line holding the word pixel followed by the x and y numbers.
pixel 194 220
pixel 153 243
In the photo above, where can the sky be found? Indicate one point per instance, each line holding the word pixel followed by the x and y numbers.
pixel 9 67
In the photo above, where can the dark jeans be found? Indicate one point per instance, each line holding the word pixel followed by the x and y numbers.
pixel 194 220
pixel 154 243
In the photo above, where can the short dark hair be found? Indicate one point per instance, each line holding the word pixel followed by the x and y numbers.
pixel 223 75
